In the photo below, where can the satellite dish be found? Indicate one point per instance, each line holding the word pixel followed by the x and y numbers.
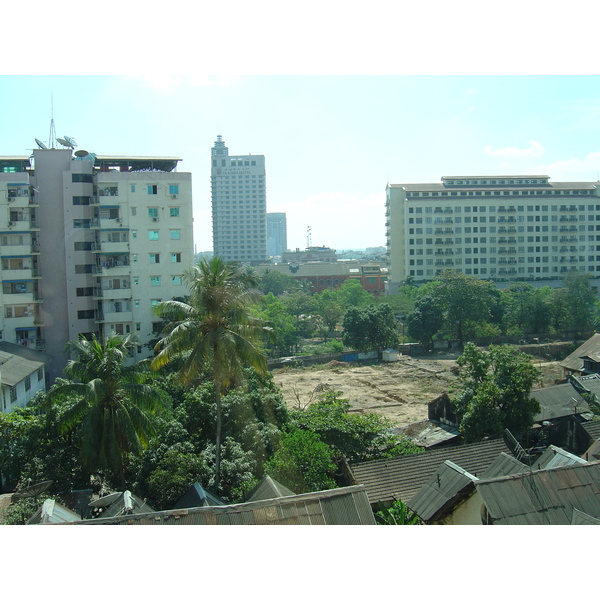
pixel 81 153
pixel 33 490
pixel 41 144
pixel 62 142
pixel 70 141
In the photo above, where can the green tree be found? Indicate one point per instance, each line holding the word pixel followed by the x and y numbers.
pixel 465 300
pixel 372 327
pixel 215 331
pixel 495 392
pixel 425 320
pixel 580 299
pixel 112 414
pixel 352 293
pixel 329 310
pixel 396 514
pixel 286 335
pixel 302 462
pixel 277 283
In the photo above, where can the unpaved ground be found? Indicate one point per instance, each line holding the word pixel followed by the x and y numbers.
pixel 399 390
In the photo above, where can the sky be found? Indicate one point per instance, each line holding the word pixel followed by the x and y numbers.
pixel 331 143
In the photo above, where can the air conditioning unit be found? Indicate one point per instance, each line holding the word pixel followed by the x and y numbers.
pixel 119 220
pixel 155 218
pixel 11 199
pixel 174 196
pixel 11 223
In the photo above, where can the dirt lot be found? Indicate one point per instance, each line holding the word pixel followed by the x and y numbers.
pixel 399 390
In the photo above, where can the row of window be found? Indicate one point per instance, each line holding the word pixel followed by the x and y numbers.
pixel 503 261
pixel 430 194
pixel 492 209
pixel 113 190
pixel 499 272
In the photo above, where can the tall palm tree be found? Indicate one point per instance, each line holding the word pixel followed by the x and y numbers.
pixel 114 402
pixel 214 332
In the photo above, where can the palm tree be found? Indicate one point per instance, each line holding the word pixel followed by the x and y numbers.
pixel 113 401
pixel 214 332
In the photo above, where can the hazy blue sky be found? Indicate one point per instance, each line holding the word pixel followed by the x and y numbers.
pixel 331 142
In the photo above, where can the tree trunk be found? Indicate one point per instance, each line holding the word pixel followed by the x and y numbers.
pixel 218 437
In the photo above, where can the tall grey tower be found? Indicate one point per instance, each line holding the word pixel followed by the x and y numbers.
pixel 239 205
pixel 276 234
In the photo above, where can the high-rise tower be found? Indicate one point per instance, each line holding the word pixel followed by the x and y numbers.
pixel 239 205
pixel 276 234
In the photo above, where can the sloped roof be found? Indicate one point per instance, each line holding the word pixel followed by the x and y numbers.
pixel 52 512
pixel 443 490
pixel 592 428
pixel 198 496
pixel 591 347
pixel 401 477
pixel 554 456
pixel 545 497
pixel 17 362
pixel 341 506
pixel 504 464
pixel 558 401
pixel 268 488
pixel 581 518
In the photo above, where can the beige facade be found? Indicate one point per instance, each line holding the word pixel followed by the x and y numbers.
pixel 88 245
pixel 502 228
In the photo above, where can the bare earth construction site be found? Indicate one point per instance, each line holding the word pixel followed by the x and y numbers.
pixel 399 390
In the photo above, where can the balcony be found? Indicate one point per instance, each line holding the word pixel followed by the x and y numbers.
pixel 113 294
pixel 125 316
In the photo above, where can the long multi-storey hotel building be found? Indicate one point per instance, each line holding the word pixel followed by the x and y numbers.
pixel 88 244
pixel 502 228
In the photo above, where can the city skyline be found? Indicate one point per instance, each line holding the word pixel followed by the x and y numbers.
pixel 331 143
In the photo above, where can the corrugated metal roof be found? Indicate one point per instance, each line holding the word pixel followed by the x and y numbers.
pixel 558 401
pixel 401 477
pixel 545 497
pixel 268 488
pixel 574 362
pixel 580 518
pixel 504 465
pixel 443 490
pixel 554 456
pixel 52 512
pixel 198 496
pixel 342 506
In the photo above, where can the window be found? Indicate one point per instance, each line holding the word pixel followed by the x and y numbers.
pixel 154 259
pixel 155 280
pixel 85 314
pixel 27 383
pixel 87 246
pixel 81 178
pixel 40 374
pixel 81 223
pixel 132 191
pixel 153 213
pixel 153 235
pixel 155 302
pixel 136 280
pixel 81 200
pixel 174 211
pixel 175 234
pixel 173 189
pixel 153 189
pixel 134 233
pixel 133 211
pixel 176 280
pixel 176 257
pixel 138 326
pixel 136 303
pixel 134 257
pixel 80 269
pixel 13 394
pixel 85 291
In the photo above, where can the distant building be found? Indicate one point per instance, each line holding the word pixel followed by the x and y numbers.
pixel 311 254
pixel 501 228
pixel 88 244
pixel 276 234
pixel 239 205
pixel 331 275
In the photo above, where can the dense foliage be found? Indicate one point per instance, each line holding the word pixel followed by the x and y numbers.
pixel 495 391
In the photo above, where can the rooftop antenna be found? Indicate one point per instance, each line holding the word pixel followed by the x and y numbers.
pixel 52 138
pixel 308 237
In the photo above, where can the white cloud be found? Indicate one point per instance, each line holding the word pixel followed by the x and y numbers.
pixel 586 168
pixel 535 149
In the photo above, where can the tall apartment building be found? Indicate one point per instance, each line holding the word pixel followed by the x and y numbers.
pixel 276 234
pixel 89 244
pixel 239 205
pixel 502 228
